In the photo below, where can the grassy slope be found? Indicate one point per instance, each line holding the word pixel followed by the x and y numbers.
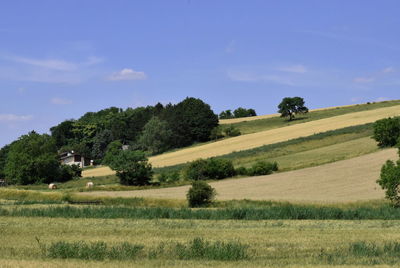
pixel 272 243
pixel 342 181
pixel 274 121
pixel 268 137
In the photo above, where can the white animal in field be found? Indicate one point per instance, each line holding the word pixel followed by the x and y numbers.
pixel 89 184
pixel 52 186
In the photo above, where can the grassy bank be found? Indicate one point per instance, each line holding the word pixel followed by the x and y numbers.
pixel 275 211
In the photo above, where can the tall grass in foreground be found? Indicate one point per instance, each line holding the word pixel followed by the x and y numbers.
pixel 93 251
pixel 362 252
pixel 198 248
pixel 275 211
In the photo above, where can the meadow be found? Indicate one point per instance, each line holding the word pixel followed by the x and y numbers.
pixel 322 209
pixel 170 242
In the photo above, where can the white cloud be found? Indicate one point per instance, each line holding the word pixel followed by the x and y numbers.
pixel 60 101
pixel 53 64
pixel 293 68
pixel 50 70
pixel 127 74
pixel 388 70
pixel 14 117
pixel 363 80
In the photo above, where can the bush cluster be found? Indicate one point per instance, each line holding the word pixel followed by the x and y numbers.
pixel 169 177
pixel 259 168
pixel 209 169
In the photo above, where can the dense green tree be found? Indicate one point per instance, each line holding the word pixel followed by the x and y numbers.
pixel 112 149
pixel 200 194
pixel 31 159
pixel 387 131
pixel 156 136
pixel 3 158
pixel 242 112
pixel 390 181
pixel 226 114
pixel 63 133
pixel 100 143
pixel 238 113
pixel 132 167
pixel 289 107
pixel 191 121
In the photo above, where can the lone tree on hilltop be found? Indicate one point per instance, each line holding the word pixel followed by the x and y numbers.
pixel 289 107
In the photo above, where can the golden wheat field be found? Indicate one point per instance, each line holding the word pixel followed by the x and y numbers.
pixel 258 139
pixel 343 181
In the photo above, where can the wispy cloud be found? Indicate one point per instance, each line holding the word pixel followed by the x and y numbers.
pixel 363 80
pixel 252 77
pixel 47 70
pixel 230 48
pixel 298 68
pixel 60 101
pixel 381 75
pixel 127 74
pixel 53 64
pixel 388 70
pixel 14 118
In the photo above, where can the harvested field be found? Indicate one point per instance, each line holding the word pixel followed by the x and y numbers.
pixel 254 140
pixel 342 181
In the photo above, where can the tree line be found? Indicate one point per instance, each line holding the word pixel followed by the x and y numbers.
pixel 34 158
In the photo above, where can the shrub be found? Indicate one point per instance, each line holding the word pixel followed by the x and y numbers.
pixel 232 131
pixel 200 194
pixel 262 168
pixel 69 172
pixel 387 131
pixel 169 177
pixel 213 168
pixel 242 171
pixel 216 133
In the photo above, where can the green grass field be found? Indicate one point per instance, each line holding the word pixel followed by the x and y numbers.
pixel 320 227
pixel 267 243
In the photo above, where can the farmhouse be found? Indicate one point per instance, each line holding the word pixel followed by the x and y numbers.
pixel 72 158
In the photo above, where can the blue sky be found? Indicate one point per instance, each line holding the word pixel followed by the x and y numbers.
pixel 60 59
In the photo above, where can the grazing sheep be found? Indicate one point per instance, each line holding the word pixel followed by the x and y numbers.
pixel 52 186
pixel 89 184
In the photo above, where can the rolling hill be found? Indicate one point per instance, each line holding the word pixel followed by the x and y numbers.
pixel 342 181
pixel 261 138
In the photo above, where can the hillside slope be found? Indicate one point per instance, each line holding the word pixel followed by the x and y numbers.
pixel 258 139
pixel 348 180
